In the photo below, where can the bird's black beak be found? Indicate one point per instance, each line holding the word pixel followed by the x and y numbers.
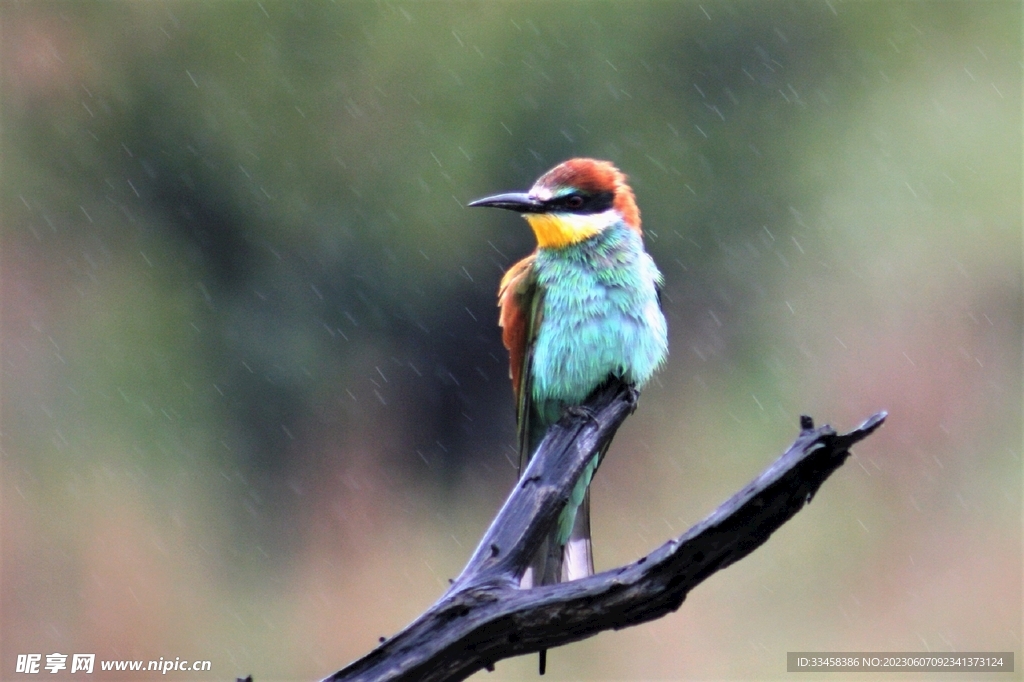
pixel 513 201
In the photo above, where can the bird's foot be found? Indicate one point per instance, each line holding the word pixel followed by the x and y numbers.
pixel 634 398
pixel 582 411
pixel 632 393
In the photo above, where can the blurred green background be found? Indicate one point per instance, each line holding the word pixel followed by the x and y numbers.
pixel 255 403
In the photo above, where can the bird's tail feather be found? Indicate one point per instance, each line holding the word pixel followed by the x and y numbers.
pixel 578 553
pixel 546 566
pixel 555 562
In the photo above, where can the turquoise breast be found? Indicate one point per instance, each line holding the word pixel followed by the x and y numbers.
pixel 600 316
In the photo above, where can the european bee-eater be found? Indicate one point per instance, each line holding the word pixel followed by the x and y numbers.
pixel 582 307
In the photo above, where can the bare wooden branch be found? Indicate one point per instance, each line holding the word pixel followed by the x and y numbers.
pixel 484 617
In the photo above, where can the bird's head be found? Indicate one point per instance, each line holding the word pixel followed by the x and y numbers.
pixel 571 202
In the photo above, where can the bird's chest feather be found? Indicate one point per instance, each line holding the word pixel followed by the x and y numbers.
pixel 599 316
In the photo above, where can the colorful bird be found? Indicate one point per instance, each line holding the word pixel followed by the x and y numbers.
pixel 582 307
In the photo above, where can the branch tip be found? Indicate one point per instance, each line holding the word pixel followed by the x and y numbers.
pixel 873 422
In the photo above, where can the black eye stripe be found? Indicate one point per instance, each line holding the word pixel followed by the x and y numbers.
pixel 582 202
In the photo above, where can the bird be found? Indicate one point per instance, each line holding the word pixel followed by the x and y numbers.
pixel 584 307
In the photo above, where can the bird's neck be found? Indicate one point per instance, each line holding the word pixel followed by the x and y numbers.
pixel 559 230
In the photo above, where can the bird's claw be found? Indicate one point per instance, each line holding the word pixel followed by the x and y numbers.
pixel 634 398
pixel 582 411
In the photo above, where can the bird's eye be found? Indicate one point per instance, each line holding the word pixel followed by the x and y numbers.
pixel 574 201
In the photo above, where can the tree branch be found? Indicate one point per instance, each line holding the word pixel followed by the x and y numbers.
pixel 484 617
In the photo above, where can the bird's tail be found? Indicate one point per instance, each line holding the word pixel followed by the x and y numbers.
pixel 568 552
pixel 571 561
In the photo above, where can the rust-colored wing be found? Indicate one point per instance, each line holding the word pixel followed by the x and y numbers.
pixel 519 299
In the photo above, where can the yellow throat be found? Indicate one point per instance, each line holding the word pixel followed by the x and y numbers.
pixel 556 231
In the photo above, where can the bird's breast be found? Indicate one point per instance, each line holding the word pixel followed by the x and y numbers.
pixel 600 316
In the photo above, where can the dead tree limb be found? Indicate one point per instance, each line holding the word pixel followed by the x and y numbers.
pixel 484 617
